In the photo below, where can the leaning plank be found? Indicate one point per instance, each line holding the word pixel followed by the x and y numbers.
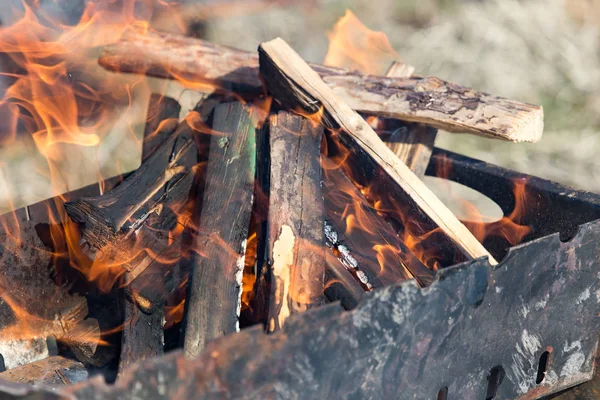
pixel 412 143
pixel 295 245
pixel 294 84
pixel 427 100
pixel 214 288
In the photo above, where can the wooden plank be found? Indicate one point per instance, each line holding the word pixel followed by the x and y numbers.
pixel 295 243
pixel 294 84
pixel 340 285
pixel 214 289
pixel 428 100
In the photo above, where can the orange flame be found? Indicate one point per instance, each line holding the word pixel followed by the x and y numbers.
pixel 354 46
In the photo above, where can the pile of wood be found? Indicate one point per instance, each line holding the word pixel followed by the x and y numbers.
pixel 288 172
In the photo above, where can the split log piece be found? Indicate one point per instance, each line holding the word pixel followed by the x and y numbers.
pixel 214 289
pixel 153 194
pixel 295 244
pixel 294 84
pixel 147 285
pixel 427 100
pixel 52 371
pixel 411 142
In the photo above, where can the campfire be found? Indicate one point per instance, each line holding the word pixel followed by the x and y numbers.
pixel 287 189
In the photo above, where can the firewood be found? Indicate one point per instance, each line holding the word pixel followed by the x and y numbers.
pixel 295 244
pixel 161 121
pixel 412 143
pixel 51 371
pixel 339 284
pixel 361 247
pixel 295 85
pixel 426 100
pixel 214 290
pixel 84 340
pixel 155 192
pixel 145 295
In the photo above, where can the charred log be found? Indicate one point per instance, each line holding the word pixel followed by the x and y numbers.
pixel 294 238
pixel 223 217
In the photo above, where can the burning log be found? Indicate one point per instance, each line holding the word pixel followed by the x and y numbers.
pixel 51 371
pixel 84 341
pixel 159 187
pixel 368 244
pixel 296 254
pixel 294 84
pixel 425 100
pixel 161 121
pixel 214 289
pixel 412 143
pixel 145 296
pixel 339 284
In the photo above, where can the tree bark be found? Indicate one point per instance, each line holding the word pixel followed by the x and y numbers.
pixel 427 100
pixel 412 143
pixel 214 289
pixel 294 84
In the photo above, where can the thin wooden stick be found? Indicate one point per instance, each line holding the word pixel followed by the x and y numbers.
pixel 294 84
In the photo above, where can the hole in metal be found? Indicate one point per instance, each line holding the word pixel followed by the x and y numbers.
pixel 494 380
pixel 443 393
pixel 542 366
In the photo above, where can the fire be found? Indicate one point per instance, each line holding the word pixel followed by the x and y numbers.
pixel 61 98
pixel 354 46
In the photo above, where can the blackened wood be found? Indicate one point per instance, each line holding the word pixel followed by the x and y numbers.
pixel 340 285
pixel 161 121
pixel 153 193
pixel 214 289
pixel 145 296
pixel 294 84
pixel 365 243
pixel 295 247
pixel 418 99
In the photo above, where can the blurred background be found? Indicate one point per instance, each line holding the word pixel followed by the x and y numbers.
pixel 539 51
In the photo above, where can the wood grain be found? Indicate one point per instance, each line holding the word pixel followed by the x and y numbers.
pixel 295 245
pixel 294 84
pixel 428 100
pixel 219 246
